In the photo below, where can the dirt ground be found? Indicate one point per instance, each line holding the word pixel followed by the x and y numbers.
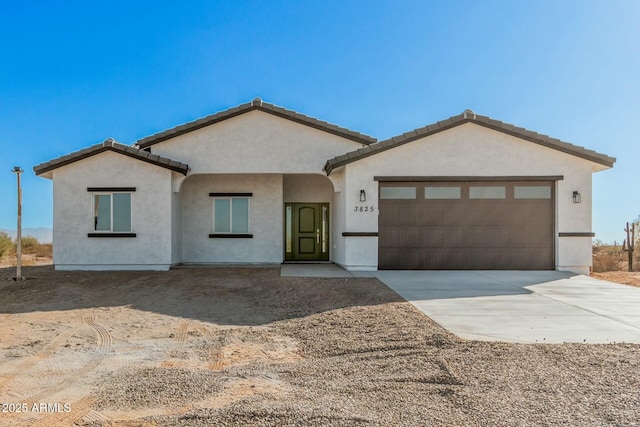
pixel 625 277
pixel 244 346
pixel 27 260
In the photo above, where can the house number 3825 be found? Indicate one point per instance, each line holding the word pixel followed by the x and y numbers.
pixel 364 209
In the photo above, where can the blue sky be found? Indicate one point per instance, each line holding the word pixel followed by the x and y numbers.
pixel 75 73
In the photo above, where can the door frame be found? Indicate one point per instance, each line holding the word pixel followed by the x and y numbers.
pixel 289 234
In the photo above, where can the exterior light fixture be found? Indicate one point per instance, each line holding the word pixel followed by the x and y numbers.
pixel 363 196
pixel 577 198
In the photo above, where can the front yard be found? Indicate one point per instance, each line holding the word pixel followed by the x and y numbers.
pixel 244 346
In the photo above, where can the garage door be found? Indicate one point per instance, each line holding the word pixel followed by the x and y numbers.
pixel 466 225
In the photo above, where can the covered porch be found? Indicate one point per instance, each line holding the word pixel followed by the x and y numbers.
pixel 253 219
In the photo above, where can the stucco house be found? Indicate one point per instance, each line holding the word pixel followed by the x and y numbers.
pixel 262 184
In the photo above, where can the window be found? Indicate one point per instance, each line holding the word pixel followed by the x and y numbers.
pixel 397 192
pixel 487 192
pixel 112 212
pixel 231 215
pixel 532 192
pixel 288 222
pixel 442 192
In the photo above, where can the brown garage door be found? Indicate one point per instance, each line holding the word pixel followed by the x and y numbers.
pixel 466 225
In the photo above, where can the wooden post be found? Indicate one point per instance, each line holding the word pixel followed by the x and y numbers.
pixel 18 171
pixel 629 243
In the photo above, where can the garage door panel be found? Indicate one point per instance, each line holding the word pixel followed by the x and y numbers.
pixel 433 215
pixel 476 236
pixel 390 215
pixel 485 212
pixel 435 237
pixel 440 237
pixel 390 237
pixel 465 236
pixel 502 233
pixel 400 215
pixel 402 259
pixel 441 259
pixel 409 237
pixel 530 212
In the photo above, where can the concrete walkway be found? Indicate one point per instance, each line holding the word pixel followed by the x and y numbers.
pixel 319 270
pixel 522 306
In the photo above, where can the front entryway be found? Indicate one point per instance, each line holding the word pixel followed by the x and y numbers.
pixel 306 231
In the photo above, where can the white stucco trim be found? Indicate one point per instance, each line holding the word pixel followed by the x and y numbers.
pixel 113 267
pixel 578 269
pixel 231 264
pixel 358 267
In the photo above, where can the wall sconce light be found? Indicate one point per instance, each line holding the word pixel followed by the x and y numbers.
pixel 363 196
pixel 577 198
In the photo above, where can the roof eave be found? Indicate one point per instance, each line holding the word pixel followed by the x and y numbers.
pixel 192 126
pixel 327 167
pixel 45 168
pixel 52 164
pixel 547 142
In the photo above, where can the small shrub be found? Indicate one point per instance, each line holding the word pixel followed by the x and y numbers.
pixel 29 245
pixel 45 250
pixel 6 244
pixel 603 262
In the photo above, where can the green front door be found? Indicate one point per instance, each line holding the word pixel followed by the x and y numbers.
pixel 306 235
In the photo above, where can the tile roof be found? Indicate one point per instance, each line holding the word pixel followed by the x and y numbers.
pixel 256 104
pixel 111 145
pixel 468 116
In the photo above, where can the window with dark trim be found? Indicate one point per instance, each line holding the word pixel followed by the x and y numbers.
pixel 397 193
pixel 487 192
pixel 442 193
pixel 532 192
pixel 230 215
pixel 112 212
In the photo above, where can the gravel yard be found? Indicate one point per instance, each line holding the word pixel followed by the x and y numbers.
pixel 244 346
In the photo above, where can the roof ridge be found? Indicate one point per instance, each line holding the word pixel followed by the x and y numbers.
pixel 468 116
pixel 255 104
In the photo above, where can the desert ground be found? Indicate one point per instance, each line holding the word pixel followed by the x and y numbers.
pixel 631 278
pixel 244 346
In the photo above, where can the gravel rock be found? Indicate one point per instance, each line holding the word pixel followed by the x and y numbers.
pixel 133 388
pixel 257 349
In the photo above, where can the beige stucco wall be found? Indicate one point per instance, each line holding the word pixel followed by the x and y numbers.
pixel 338 217
pixel 176 228
pixel 73 215
pixel 266 206
pixel 307 188
pixel 255 142
pixel 265 216
pixel 472 150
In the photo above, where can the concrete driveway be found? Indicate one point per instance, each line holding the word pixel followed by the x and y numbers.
pixel 522 306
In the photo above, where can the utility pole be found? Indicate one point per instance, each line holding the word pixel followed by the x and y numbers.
pixel 18 171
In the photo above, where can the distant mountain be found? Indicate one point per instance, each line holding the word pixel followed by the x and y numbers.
pixel 44 235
